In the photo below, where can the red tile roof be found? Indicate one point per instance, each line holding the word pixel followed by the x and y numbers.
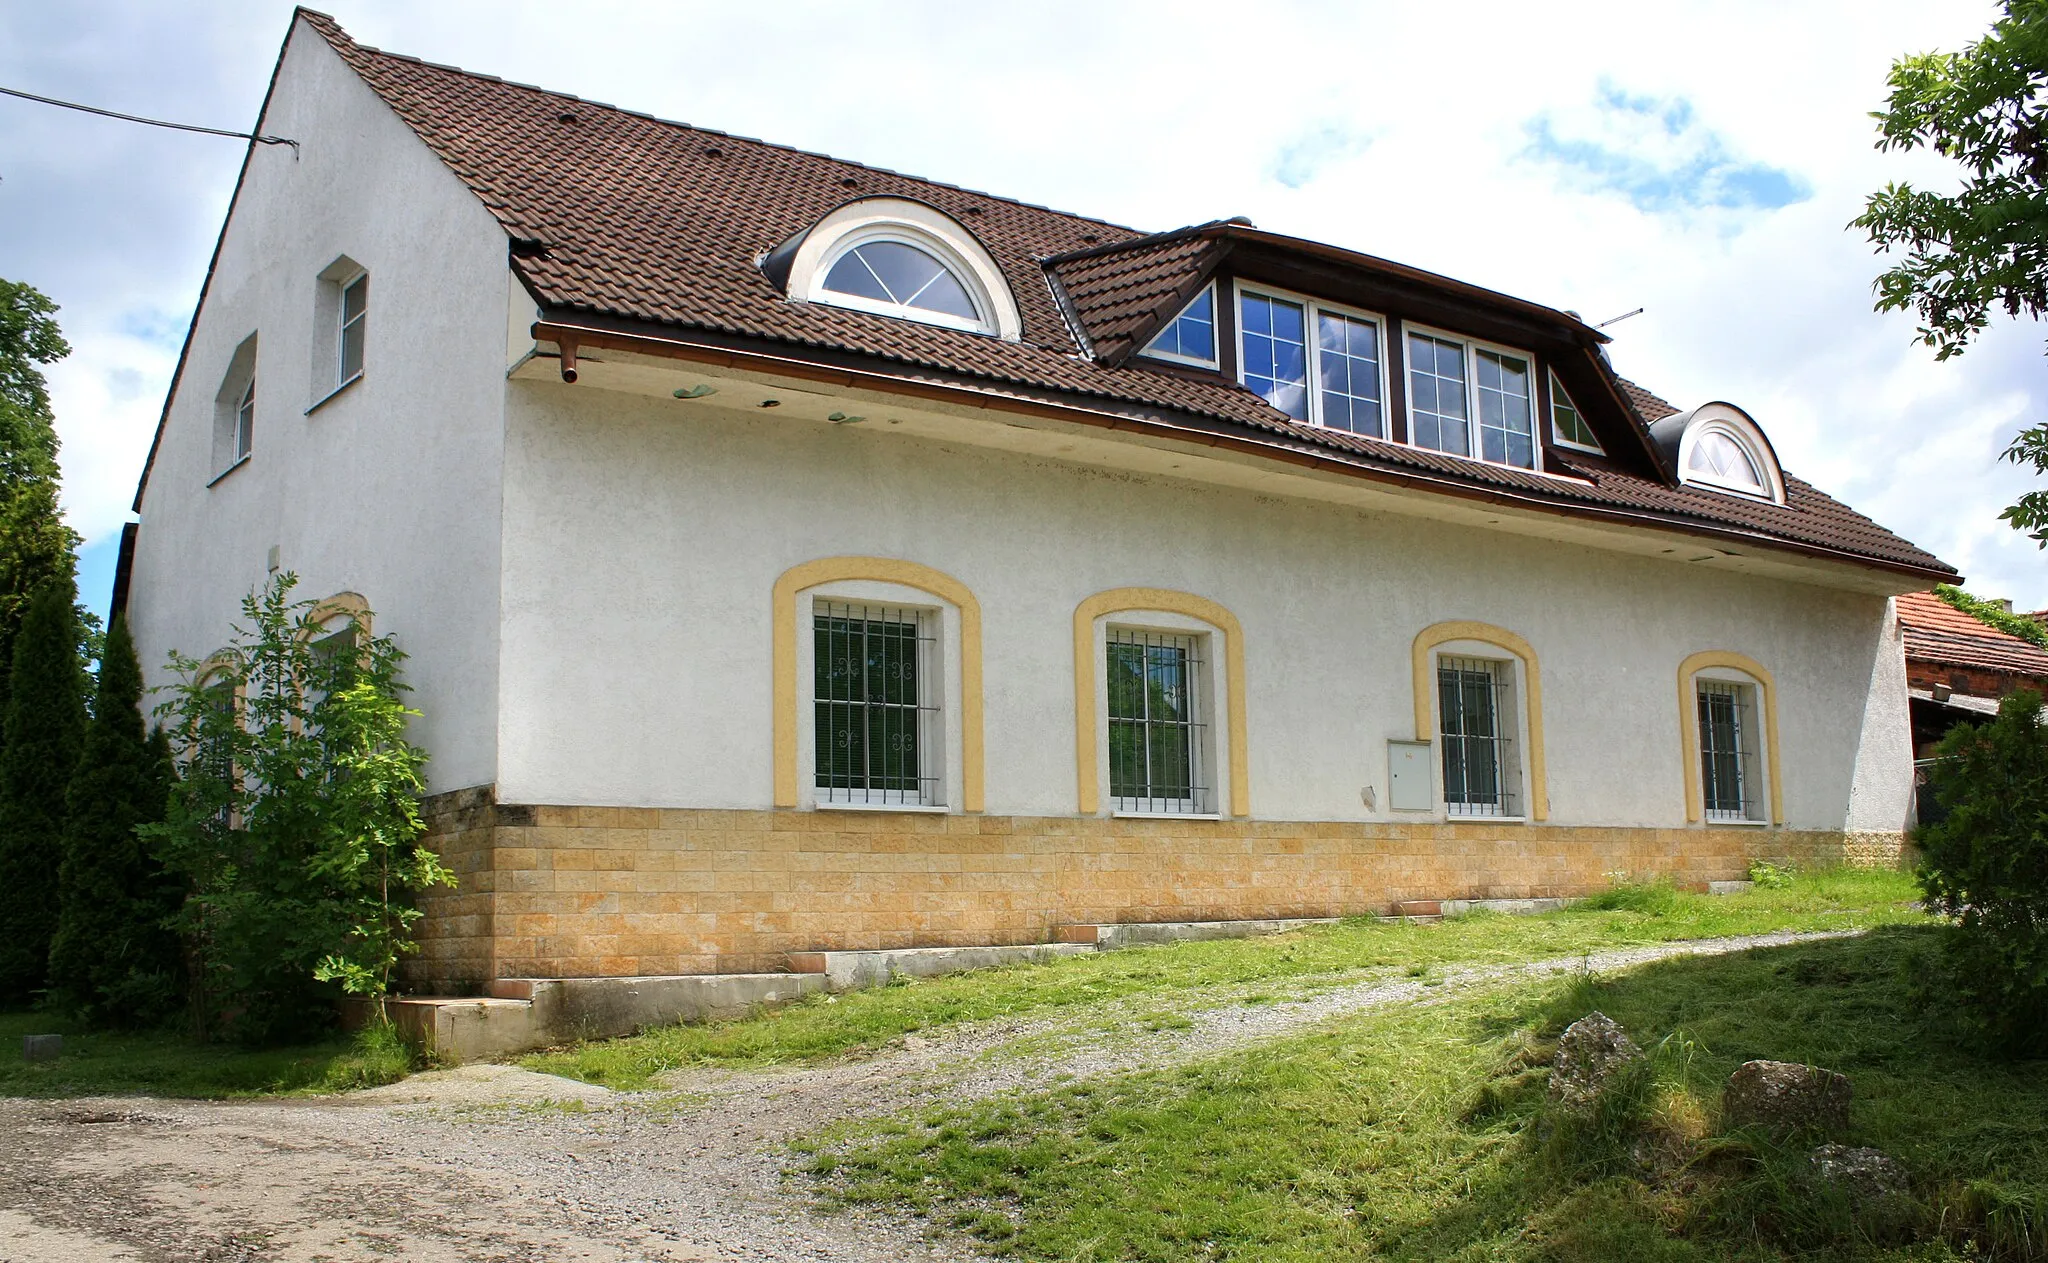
pixel 617 216
pixel 1939 633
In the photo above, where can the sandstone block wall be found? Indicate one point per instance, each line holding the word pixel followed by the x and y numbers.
pixel 572 892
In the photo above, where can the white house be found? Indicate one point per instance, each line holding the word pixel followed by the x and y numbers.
pixel 797 555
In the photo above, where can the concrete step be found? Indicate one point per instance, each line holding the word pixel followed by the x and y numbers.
pixel 852 971
pixel 1136 933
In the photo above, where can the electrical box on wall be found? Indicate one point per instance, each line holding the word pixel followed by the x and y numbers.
pixel 1409 783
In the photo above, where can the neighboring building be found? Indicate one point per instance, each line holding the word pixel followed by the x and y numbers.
pixel 794 555
pixel 1958 668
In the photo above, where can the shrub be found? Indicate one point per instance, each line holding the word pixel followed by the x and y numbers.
pixel 295 824
pixel 1986 864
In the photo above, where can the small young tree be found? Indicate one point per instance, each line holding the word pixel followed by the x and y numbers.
pixel 45 728
pixel 1986 863
pixel 113 958
pixel 295 823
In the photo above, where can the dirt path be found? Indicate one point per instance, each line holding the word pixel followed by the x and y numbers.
pixel 477 1164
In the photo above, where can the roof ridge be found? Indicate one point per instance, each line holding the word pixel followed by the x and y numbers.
pixel 332 30
pixel 1168 237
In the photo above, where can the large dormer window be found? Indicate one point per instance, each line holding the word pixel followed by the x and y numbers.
pixel 888 274
pixel 1470 399
pixel 1313 361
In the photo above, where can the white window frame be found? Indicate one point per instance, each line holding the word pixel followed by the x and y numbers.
pixel 245 421
pixel 234 399
pixel 1753 754
pixel 1152 352
pixel 1472 347
pixel 1311 308
pixel 1556 435
pixel 342 324
pixel 1210 687
pixel 1765 470
pixel 924 243
pixel 939 755
pixel 1198 646
pixel 1516 780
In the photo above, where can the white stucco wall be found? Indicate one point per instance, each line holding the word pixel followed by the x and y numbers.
pixel 391 488
pixel 642 540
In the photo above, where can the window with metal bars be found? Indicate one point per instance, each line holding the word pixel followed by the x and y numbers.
pixel 877 716
pixel 1728 775
pixel 1476 719
pixel 1158 736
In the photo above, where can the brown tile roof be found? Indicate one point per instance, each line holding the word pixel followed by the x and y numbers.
pixel 1939 633
pixel 1121 294
pixel 621 216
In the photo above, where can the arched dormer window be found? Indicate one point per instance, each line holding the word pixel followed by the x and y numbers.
pixel 895 257
pixel 1717 445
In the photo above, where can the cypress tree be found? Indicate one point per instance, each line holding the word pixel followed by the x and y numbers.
pixel 45 730
pixel 112 959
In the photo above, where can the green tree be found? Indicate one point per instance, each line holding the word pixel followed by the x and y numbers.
pixel 295 824
pixel 113 958
pixel 1985 246
pixel 1985 862
pixel 45 729
pixel 35 546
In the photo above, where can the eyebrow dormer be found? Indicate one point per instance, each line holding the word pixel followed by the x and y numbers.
pixel 890 256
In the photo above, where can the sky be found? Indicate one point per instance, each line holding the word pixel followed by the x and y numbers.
pixel 1699 161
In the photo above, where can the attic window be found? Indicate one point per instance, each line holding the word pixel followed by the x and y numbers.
pixel 894 257
pixel 885 274
pixel 1568 426
pixel 1191 336
pixel 1717 457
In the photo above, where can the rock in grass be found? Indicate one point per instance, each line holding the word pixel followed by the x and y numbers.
pixel 1589 1053
pixel 1866 1175
pixel 41 1047
pixel 1785 1098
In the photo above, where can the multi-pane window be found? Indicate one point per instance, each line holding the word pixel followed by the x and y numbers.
pixel 245 421
pixel 1453 383
pixel 1191 336
pixel 1274 352
pixel 355 314
pixel 896 274
pixel 1567 424
pixel 1348 371
pixel 876 716
pixel 1728 775
pixel 1718 458
pixel 1476 720
pixel 1506 410
pixel 1438 415
pixel 1156 731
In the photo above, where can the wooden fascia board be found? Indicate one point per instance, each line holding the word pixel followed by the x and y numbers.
pixel 1185 428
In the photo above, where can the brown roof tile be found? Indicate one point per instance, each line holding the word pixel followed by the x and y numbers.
pixel 1938 632
pixel 649 221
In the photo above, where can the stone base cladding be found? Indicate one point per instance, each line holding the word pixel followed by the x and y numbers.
pixel 577 892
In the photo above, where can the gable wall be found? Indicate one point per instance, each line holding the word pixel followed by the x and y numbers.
pixel 391 488
pixel 643 539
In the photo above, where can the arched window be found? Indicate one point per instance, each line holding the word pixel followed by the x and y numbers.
pixel 1717 458
pixel 892 273
pixel 896 257
pixel 1720 446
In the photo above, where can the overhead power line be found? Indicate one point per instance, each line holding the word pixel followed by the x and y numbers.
pixel 152 122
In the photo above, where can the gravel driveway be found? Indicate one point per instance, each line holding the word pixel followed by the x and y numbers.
pixel 500 1164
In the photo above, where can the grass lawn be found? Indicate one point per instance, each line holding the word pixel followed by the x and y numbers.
pixel 157 1063
pixel 823 1026
pixel 1423 1133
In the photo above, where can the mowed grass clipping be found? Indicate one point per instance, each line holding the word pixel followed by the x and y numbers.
pixel 825 1026
pixel 1422 1133
pixel 162 1063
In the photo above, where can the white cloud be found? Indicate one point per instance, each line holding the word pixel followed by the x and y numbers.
pixel 1157 116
